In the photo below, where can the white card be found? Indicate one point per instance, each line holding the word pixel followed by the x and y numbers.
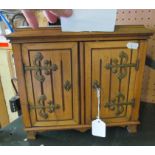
pixel 90 20
pixel 132 45
pixel 98 128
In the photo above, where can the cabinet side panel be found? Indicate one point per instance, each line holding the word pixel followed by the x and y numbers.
pixel 131 81
pixel 139 76
pixel 29 83
pixel 21 84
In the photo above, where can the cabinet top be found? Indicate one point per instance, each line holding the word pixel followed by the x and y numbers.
pixel 121 31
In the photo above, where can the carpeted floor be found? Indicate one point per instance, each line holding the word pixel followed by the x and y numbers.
pixel 116 136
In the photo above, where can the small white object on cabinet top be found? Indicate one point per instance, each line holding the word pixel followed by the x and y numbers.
pixel 90 20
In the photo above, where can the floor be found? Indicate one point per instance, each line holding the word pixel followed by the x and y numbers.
pixel 116 136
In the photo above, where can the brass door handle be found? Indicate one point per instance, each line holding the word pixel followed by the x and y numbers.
pixel 96 84
pixel 67 85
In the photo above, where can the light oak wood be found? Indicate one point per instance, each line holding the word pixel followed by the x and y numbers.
pixel 81 58
pixel 82 130
pixel 138 81
pixel 55 34
pixel 105 51
pixel 74 127
pixel 82 82
pixel 21 84
pixel 56 53
pixel 130 30
pixel 4 117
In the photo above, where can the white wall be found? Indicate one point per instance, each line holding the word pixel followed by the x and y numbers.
pixel 6 81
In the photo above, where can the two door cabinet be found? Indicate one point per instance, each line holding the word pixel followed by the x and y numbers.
pixel 59 73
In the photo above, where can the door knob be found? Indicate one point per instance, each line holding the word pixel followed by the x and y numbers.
pixel 96 84
pixel 67 85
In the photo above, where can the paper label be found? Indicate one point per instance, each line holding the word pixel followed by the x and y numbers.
pixel 132 45
pixel 98 128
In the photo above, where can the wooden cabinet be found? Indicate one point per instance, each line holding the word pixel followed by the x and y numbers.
pixel 58 74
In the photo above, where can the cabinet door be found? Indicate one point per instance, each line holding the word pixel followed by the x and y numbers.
pixel 112 67
pixel 51 77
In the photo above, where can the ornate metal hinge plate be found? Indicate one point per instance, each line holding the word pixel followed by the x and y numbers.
pixel 37 68
pixel 44 109
pixel 118 104
pixel 120 69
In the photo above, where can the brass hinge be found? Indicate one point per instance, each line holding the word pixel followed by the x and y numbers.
pixel 115 65
pixel 118 104
pixel 53 67
pixel 50 107
pixel 44 109
pixel 108 66
pixel 40 64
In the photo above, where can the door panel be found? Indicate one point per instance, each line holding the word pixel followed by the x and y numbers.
pixel 103 61
pixel 51 75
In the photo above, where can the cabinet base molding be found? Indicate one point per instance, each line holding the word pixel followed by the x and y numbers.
pixel 82 130
pixel 31 132
pixel 80 127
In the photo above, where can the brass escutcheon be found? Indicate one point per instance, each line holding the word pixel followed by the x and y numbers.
pixel 67 85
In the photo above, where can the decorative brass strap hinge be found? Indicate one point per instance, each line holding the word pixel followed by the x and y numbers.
pixel 119 103
pixel 51 107
pixel 115 66
pixel 44 109
pixel 40 67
